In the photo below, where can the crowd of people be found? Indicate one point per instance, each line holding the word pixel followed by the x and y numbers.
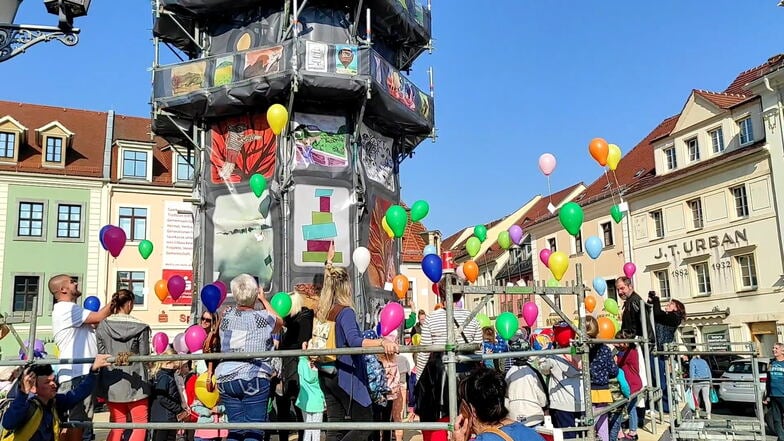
pixel 498 399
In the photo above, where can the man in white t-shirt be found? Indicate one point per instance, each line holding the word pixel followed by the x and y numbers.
pixel 74 333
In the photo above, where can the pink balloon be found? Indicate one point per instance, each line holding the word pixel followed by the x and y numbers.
pixel 194 338
pixel 114 238
pixel 516 234
pixel 544 256
pixel 460 273
pixel 547 163
pixel 160 342
pixel 176 285
pixel 530 313
pixel 179 343
pixel 629 269
pixel 222 287
pixel 391 317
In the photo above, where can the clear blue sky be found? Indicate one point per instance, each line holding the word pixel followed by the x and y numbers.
pixel 514 79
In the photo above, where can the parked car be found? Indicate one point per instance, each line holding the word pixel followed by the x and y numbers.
pixel 737 384
pixel 719 363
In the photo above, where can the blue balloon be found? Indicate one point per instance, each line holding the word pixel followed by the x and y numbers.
pixel 431 265
pixel 210 297
pixel 103 231
pixel 599 285
pixel 92 303
pixel 430 249
pixel 593 246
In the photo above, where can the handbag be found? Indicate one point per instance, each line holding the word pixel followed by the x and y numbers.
pixel 688 397
pixel 714 397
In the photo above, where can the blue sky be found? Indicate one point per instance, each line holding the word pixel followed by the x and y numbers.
pixel 514 79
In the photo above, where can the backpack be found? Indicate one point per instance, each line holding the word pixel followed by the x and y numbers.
pixel 324 334
pixel 376 374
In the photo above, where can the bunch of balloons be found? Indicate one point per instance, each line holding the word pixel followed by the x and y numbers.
pixel 213 295
pixel 173 287
pixel 468 270
pixel 396 218
pixel 113 240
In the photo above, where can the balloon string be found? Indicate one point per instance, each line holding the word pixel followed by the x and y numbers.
pixel 617 185
pixel 549 190
pixel 612 195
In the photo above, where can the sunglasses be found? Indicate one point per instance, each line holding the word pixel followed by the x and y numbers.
pixel 205 319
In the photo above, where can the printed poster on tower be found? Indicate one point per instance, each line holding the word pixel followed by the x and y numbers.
pixel 241 232
pixel 178 248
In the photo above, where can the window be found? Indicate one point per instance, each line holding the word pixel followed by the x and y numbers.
pixel 69 221
pixel 611 292
pixel 184 166
pixel 578 242
pixel 25 290
pixel 702 278
pixel 746 131
pixel 672 161
pixel 717 140
pixel 695 205
pixel 741 201
pixel 134 281
pixel 664 283
pixel 748 271
pixel 134 221
pixel 694 149
pixel 134 164
pixel 658 223
pixel 54 149
pixel 551 244
pixel 31 219
pixel 7 145
pixel 607 234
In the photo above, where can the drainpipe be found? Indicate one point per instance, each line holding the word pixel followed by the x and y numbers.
pixel 106 198
pixel 766 81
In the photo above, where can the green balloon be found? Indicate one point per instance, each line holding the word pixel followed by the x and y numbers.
pixel 472 246
pixel 145 249
pixel 281 304
pixel 616 213
pixel 483 319
pixel 506 324
pixel 615 323
pixel 258 183
pixel 611 306
pixel 397 220
pixel 419 210
pixel 480 231
pixel 571 216
pixel 504 241
pixel 552 283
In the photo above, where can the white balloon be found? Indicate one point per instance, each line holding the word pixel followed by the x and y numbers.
pixel 361 259
pixel 460 273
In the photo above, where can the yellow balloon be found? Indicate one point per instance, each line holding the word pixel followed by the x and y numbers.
pixel 416 339
pixel 613 156
pixel 558 263
pixel 207 398
pixel 386 227
pixel 277 117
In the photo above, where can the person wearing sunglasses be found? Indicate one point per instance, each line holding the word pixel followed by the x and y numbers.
pixel 206 320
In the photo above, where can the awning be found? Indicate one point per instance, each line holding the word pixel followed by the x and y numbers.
pixel 713 314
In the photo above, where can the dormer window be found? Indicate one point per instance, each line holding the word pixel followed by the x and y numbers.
pixel 183 165
pixel 672 161
pixel 54 140
pixel 746 131
pixel 717 140
pixel 135 161
pixel 7 145
pixel 12 136
pixel 694 150
pixel 54 149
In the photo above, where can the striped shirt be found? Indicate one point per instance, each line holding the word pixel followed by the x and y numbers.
pixel 434 332
pixel 245 331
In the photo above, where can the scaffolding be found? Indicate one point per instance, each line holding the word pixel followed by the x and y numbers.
pixel 453 353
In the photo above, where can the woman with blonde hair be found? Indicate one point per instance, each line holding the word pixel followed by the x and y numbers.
pixel 125 388
pixel 167 405
pixel 345 382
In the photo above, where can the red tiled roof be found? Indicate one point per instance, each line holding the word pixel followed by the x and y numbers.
pixel 84 157
pixel 413 242
pixel 739 83
pixel 723 100
pixel 449 242
pixel 131 128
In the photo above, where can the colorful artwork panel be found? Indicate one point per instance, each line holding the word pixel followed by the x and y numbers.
pixel 377 157
pixel 321 217
pixel 241 146
pixel 320 140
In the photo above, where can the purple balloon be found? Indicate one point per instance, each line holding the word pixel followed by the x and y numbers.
pixel 222 287
pixel 516 234
pixel 103 231
pixel 176 286
pixel 114 238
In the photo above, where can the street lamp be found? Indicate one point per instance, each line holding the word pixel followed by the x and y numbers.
pixel 15 39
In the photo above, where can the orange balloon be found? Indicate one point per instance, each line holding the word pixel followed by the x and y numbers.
pixel 471 270
pixel 161 290
pixel 599 150
pixel 400 285
pixel 606 328
pixel 590 303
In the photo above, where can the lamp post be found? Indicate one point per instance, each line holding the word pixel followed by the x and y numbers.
pixel 15 39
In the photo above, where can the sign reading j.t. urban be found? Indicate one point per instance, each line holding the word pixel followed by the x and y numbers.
pixel 704 244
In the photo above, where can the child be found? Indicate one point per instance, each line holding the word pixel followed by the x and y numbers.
pixel 310 398
pixel 207 416
pixel 167 404
pixel 602 368
pixel 629 362
pixel 383 412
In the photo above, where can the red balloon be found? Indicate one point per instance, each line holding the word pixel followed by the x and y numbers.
pixel 562 334
pixel 436 290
